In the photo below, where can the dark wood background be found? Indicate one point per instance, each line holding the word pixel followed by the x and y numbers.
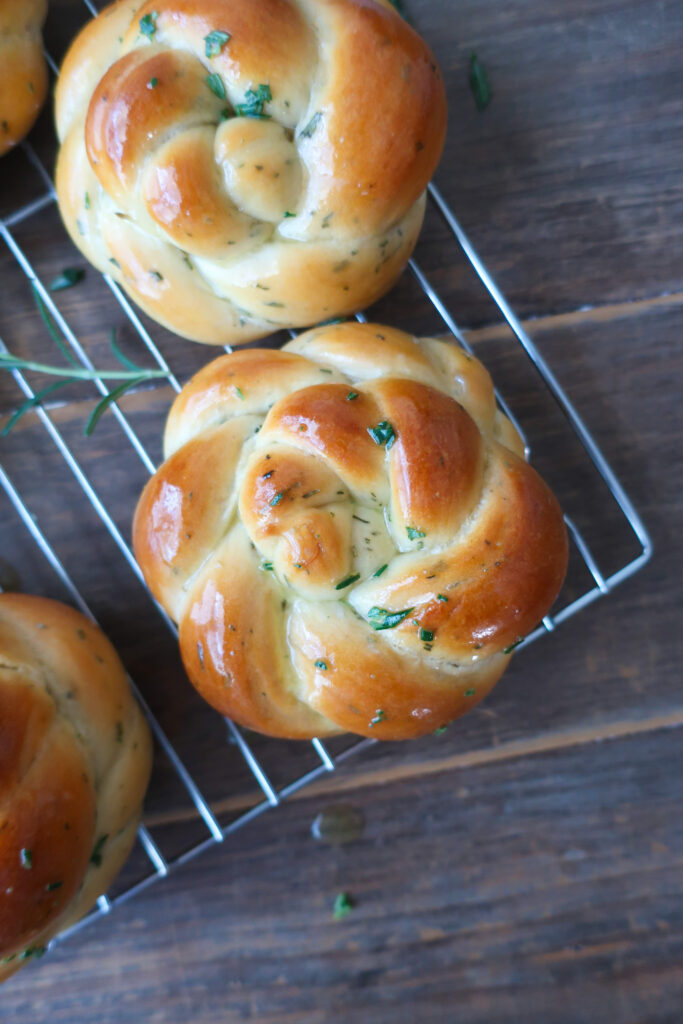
pixel 525 865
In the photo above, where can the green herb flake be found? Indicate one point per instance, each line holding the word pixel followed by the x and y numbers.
pixel 86 200
pixel 347 582
pixel 470 692
pixel 153 83
pixel 239 393
pixel 380 716
pixel 352 396
pixel 268 566
pixel 414 533
pixel 426 635
pixel 215 84
pixel 381 618
pixel 36 951
pixel 51 886
pixel 148 24
pixel 479 83
pixel 343 905
pixel 277 499
pixel 383 434
pixel 440 730
pixel 510 649
pixel 254 102
pixel 96 855
pixel 288 213
pixel 26 859
pixel 67 279
pixel 310 128
pixel 441 597
pixel 215 41
pixel 321 665
pixel 378 572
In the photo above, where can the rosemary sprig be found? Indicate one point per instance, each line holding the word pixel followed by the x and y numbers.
pixel 129 377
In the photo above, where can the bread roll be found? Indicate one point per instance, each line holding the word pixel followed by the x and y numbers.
pixel 23 72
pixel 75 758
pixel 347 534
pixel 245 165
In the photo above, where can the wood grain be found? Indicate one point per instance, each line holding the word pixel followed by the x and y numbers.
pixel 513 868
pixel 539 889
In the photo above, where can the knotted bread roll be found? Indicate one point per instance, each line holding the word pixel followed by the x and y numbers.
pixel 347 534
pixel 244 165
pixel 75 757
pixel 23 72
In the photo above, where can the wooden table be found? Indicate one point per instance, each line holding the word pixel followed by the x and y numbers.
pixel 525 865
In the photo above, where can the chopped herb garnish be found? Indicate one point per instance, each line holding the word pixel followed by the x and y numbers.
pixel 51 886
pixel 153 83
pixel 321 665
pixel 215 84
pixel 470 692
pixel 441 729
pixel 288 213
pixel 381 618
pixel 414 533
pixel 26 859
pixel 36 951
pixel 306 132
pixel 86 200
pixel 277 499
pixel 352 396
pixel 67 279
pixel 215 41
pixel 239 393
pixel 441 597
pixel 254 101
pixel 96 855
pixel 382 568
pixel 379 717
pixel 518 641
pixel 426 635
pixel 347 582
pixel 268 566
pixel 479 83
pixel 148 24
pixel 343 905
pixel 383 434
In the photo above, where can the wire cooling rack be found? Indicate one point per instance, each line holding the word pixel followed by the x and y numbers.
pixel 598 583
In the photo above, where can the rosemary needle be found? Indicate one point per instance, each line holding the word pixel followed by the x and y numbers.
pixel 130 376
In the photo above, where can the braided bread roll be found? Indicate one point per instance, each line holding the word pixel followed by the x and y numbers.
pixel 75 758
pixel 244 165
pixel 23 72
pixel 347 534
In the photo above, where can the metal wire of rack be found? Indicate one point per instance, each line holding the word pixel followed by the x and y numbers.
pixel 160 865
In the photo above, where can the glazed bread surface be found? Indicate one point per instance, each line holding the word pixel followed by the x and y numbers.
pixel 348 535
pixel 23 72
pixel 244 165
pixel 75 758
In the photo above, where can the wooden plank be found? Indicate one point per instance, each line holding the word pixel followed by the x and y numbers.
pixel 543 888
pixel 571 172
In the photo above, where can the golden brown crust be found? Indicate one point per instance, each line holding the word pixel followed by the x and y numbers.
pixel 75 757
pixel 223 225
pixel 347 535
pixel 23 71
